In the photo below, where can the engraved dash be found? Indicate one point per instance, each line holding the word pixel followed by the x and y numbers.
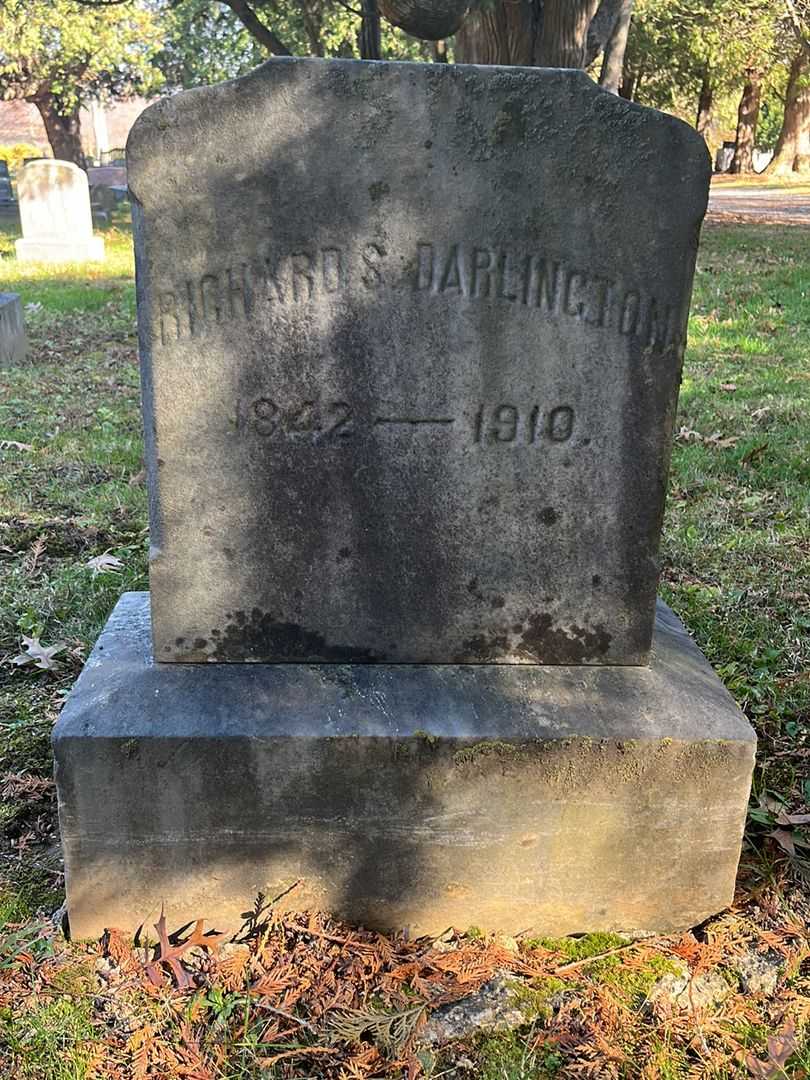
pixel 414 420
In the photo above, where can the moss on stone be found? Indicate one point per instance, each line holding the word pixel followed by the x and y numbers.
pixel 579 948
pixel 426 736
pixel 487 748
pixel 534 999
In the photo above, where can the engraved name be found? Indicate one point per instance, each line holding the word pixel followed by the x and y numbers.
pixel 464 273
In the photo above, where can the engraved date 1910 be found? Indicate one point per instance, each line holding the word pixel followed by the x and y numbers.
pixel 332 421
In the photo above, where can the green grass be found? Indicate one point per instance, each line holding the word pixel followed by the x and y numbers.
pixel 74 287
pixel 56 1041
pixel 65 496
pixel 736 547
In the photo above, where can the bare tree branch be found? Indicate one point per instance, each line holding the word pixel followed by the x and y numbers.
pixel 256 28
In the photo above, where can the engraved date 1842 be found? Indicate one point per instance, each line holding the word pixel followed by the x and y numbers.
pixel 332 421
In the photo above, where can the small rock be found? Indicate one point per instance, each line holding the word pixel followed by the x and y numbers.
pixel 685 991
pixel 759 972
pixel 492 1008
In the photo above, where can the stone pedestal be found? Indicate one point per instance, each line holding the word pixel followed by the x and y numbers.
pixel 90 249
pixel 557 799
pixel 13 340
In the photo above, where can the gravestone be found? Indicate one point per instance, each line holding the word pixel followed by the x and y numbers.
pixel 54 201
pixel 13 340
pixel 409 380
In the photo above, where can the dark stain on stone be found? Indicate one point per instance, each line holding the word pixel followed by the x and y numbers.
pixel 344 553
pixel 180 641
pixel 228 553
pixel 547 516
pixel 596 580
pixel 497 601
pixel 474 589
pixel 262 637
pixel 378 190
pixel 200 643
pixel 483 648
pixel 548 644
pixel 510 123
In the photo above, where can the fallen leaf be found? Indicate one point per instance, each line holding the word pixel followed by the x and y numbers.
pixel 729 386
pixel 41 656
pixel 169 954
pixel 781 1047
pixel 33 556
pixel 105 563
pixel 784 839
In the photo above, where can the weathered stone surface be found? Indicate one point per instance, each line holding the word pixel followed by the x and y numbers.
pixel 559 799
pixel 54 200
pixel 759 972
pixel 410 368
pixel 13 340
pixel 687 991
pixel 495 1007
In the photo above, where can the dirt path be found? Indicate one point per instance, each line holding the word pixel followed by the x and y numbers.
pixel 759 205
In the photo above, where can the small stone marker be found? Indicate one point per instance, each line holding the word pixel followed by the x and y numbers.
pixel 57 226
pixel 13 340
pixel 409 381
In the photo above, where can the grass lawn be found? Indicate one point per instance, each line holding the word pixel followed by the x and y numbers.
pixel 785 185
pixel 736 567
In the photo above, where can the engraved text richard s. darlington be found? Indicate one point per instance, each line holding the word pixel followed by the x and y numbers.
pixel 457 272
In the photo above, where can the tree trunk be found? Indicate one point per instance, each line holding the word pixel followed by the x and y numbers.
pixel 610 77
pixel 548 33
pixel 792 152
pixel 602 26
pixel 747 116
pixel 705 101
pixel 500 33
pixel 440 52
pixel 369 38
pixel 564 37
pixel 313 24
pixel 63 128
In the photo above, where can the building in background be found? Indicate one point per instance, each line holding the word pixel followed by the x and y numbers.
pixel 105 127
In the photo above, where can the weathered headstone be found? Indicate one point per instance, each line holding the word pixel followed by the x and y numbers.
pixel 13 340
pixel 409 379
pixel 54 201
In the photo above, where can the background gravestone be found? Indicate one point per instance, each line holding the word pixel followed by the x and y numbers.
pixel 54 203
pixel 411 376
pixel 13 340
